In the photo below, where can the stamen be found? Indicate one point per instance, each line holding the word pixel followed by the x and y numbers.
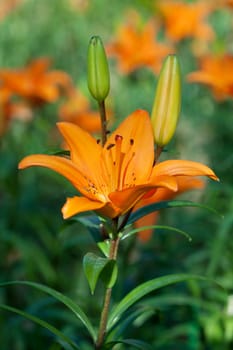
pixel 125 175
pixel 131 142
pixel 118 160
pixel 110 146
pixel 118 137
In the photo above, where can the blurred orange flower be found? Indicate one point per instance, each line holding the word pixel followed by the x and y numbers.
pixel 79 5
pixel 35 82
pixel 223 3
pixel 216 72
pixel 184 184
pixel 7 6
pixel 186 20
pixel 135 46
pixel 228 3
pixel 113 178
pixel 10 109
pixel 77 110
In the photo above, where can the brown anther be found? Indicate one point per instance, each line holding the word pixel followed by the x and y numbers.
pixel 118 137
pixel 131 141
pixel 110 146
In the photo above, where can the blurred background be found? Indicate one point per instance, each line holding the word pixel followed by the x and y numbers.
pixel 43 49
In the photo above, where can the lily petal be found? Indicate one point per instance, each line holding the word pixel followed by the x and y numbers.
pixel 62 166
pixel 185 183
pixel 76 205
pixel 84 150
pixel 137 134
pixel 127 198
pixel 183 167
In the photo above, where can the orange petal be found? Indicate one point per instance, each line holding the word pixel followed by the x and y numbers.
pixel 76 205
pixel 199 76
pixel 127 198
pixel 137 134
pixel 183 167
pixel 62 166
pixel 85 152
pixel 147 220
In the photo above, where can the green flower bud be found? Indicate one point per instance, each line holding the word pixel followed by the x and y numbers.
pixel 97 69
pixel 166 107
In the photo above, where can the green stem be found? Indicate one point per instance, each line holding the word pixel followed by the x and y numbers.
pixel 107 299
pixel 103 122
pixel 158 151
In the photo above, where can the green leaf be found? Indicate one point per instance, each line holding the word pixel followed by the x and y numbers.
pixel 126 322
pixel 164 205
pixel 174 299
pixel 104 247
pixel 138 344
pixel 109 274
pixel 95 267
pixel 160 227
pixel 144 289
pixel 42 323
pixel 63 299
pixel 92 223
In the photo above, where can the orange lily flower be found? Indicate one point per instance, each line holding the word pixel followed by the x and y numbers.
pixel 184 184
pixel 216 72
pixel 113 178
pixel 77 110
pixel 35 83
pixel 135 46
pixel 186 20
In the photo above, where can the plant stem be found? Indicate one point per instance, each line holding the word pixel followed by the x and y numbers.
pixel 107 299
pixel 103 122
pixel 158 151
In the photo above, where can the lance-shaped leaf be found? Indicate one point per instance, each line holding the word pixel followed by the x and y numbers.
pixel 42 323
pixel 69 303
pixel 143 290
pixel 96 267
pixel 164 205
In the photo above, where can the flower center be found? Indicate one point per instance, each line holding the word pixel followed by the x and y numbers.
pixel 118 160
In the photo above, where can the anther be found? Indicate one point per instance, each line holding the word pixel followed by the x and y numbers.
pixel 110 146
pixel 118 137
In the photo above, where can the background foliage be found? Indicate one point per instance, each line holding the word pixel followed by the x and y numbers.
pixel 37 245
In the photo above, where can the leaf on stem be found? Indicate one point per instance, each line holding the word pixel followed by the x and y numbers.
pixel 137 344
pixel 63 299
pixel 164 205
pixel 96 267
pixel 42 323
pixel 159 227
pixel 144 289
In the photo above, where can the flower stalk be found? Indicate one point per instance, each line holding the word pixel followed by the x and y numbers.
pixel 107 299
pixel 103 119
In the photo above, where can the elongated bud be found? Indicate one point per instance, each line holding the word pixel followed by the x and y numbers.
pixel 166 107
pixel 97 69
